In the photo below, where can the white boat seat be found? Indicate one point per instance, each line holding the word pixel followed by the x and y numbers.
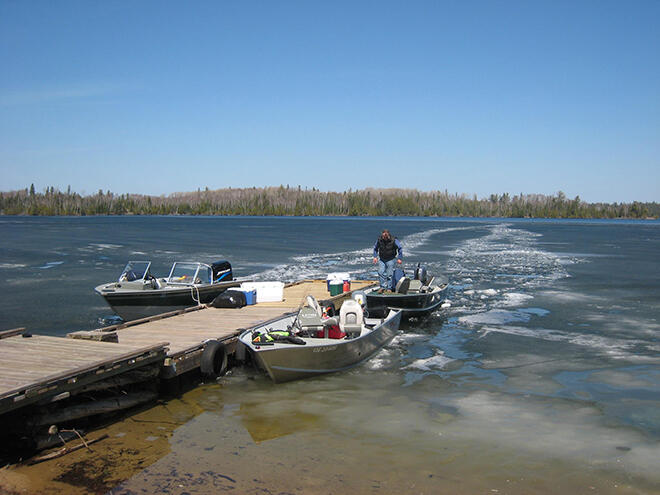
pixel 351 318
pixel 402 285
pixel 415 286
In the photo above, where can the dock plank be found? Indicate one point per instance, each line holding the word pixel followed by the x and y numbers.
pixel 41 366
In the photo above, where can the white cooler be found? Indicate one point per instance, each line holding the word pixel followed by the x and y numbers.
pixel 266 291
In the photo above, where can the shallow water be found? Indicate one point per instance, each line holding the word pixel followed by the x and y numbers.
pixel 543 376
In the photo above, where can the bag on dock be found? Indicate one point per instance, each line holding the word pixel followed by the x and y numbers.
pixel 230 299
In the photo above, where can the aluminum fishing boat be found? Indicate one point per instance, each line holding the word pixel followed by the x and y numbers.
pixel 305 344
pixel 138 294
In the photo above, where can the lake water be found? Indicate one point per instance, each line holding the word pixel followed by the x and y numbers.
pixel 543 376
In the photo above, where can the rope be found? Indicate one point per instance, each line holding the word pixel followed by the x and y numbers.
pixel 194 289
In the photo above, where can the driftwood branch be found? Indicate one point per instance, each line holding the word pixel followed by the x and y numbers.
pixel 65 450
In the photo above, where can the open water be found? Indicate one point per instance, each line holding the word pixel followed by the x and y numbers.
pixel 543 376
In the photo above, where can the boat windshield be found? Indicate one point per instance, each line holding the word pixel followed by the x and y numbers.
pixel 189 273
pixel 135 270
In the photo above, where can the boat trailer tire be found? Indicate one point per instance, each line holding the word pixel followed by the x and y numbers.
pixel 214 359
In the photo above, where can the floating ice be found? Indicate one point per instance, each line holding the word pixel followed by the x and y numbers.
pixel 436 362
pixel 564 430
pixel 634 350
pixel 535 311
pixel 494 317
pixel 51 264
pixel 515 299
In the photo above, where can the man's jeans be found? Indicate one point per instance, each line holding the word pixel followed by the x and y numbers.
pixel 385 271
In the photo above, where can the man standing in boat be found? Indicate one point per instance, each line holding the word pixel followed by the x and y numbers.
pixel 387 253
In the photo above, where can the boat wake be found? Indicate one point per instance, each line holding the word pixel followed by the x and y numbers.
pixel 357 262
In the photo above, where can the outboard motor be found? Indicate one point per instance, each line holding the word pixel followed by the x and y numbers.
pixel 420 274
pixel 222 271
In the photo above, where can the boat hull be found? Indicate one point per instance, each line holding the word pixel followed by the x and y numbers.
pixel 412 305
pixel 136 304
pixel 287 362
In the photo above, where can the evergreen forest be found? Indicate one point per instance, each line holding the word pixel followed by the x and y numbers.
pixel 297 201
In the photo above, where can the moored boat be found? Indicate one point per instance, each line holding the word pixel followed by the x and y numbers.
pixel 415 297
pixel 304 343
pixel 138 294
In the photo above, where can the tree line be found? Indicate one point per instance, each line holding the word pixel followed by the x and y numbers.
pixel 296 201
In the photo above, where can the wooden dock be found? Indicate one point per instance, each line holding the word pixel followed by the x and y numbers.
pixel 42 369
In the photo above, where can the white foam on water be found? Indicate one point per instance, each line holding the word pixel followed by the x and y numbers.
pixel 11 266
pixel 413 241
pixel 101 247
pixel 24 281
pixel 50 264
pixel 357 262
pixel 511 253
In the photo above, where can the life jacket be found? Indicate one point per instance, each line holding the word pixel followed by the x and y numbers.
pixel 272 336
pixel 386 249
pixel 261 338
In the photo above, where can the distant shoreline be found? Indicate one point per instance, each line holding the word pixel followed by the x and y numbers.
pixel 297 202
pixel 447 217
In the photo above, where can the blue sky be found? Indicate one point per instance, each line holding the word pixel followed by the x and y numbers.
pixel 474 97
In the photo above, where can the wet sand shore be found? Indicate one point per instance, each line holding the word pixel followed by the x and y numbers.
pixel 210 441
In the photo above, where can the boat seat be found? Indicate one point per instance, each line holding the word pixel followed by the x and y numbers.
pixel 311 301
pixel 308 319
pixel 415 286
pixel 351 318
pixel 402 285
